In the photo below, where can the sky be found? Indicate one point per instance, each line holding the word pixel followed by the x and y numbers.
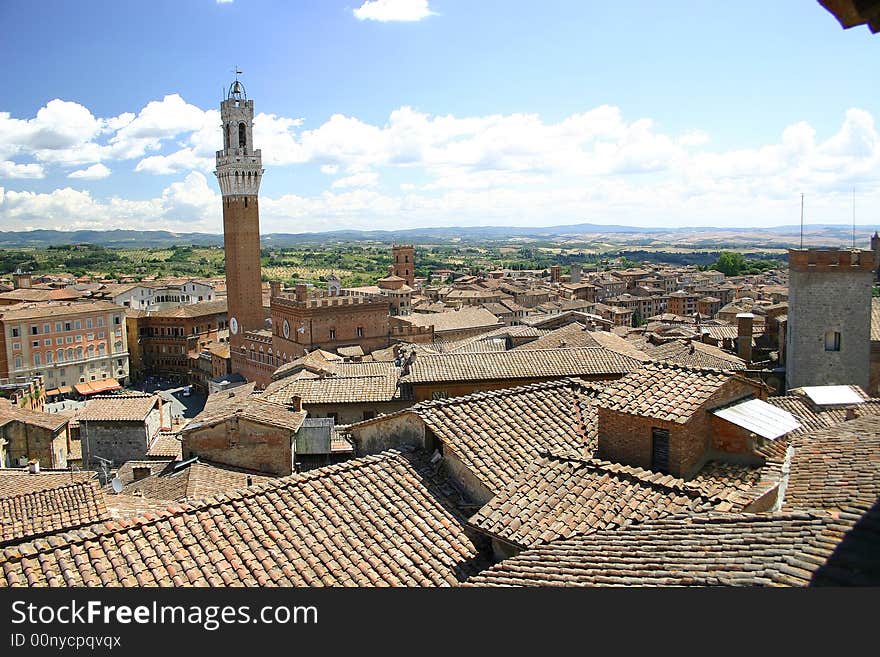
pixel 412 113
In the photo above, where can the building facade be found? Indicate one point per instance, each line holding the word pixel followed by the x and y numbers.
pixel 65 343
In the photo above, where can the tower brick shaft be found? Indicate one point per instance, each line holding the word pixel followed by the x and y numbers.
pixel 239 171
pixel 404 256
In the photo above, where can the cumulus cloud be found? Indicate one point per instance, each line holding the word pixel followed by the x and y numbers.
pixel 499 168
pixel 94 172
pixel 362 179
pixel 10 169
pixel 393 10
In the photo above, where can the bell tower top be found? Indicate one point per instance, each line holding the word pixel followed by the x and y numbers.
pixel 239 165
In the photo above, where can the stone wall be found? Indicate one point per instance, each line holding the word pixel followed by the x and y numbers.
pixel 243 444
pixel 117 441
pixel 33 442
pixel 829 291
pixel 407 429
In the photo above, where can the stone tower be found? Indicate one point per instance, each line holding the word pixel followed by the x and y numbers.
pixel 239 170
pixel 404 259
pixel 829 317
pixel 875 247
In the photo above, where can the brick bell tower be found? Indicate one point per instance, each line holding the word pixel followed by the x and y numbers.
pixel 239 170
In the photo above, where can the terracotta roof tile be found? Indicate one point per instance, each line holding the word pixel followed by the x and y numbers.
pixel 193 480
pixel 696 354
pixel 50 510
pixel 498 434
pixel 366 522
pixel 132 407
pixel 836 466
pixel 525 364
pixel 562 496
pixel 663 391
pixel 776 549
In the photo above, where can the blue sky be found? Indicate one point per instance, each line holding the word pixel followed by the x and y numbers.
pixel 401 113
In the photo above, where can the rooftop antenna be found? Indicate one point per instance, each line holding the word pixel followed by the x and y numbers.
pixel 802 220
pixel 854 218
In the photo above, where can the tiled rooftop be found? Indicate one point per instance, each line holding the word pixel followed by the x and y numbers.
pixel 796 548
pixel 836 466
pixel 243 403
pixel 118 408
pixel 338 389
pixel 696 354
pixel 498 434
pixel 371 521
pixel 50 510
pixel 192 481
pixel 662 391
pixel 560 497
pixel 517 364
pixel 50 421
pixel 19 482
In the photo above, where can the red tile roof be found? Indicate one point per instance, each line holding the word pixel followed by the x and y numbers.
pixel 372 521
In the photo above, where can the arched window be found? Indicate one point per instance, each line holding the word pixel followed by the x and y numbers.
pixel 70 353
pixel 79 353
pixel 102 349
pixel 228 135
pixel 242 135
pixel 61 355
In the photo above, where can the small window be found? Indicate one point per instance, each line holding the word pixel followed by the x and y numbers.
pixel 832 340
pixel 15 333
pixel 35 330
pixel 332 334
pixel 360 331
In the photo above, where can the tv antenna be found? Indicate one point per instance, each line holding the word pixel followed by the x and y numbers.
pixel 854 219
pixel 802 220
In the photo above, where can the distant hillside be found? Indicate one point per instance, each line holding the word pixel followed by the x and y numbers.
pixel 777 236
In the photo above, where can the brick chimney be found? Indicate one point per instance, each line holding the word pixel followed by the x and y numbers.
pixel 275 288
pixel 296 404
pixel 302 292
pixel 744 322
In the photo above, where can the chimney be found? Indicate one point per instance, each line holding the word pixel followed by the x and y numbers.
pixel 744 323
pixel 275 288
pixel 34 466
pixel 296 404
pixel 141 472
pixel 302 292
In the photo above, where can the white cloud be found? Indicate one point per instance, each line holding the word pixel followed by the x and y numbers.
pixel 362 179
pixel 393 10
pixel 10 169
pixel 499 168
pixel 94 172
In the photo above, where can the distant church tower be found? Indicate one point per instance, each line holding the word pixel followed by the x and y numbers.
pixel 239 170
pixel 404 256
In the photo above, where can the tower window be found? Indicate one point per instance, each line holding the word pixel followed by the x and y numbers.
pixel 242 135
pixel 228 136
pixel 832 340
